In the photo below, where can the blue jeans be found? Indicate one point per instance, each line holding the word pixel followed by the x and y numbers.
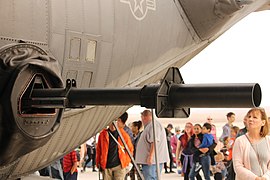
pixel 149 171
pixel 205 162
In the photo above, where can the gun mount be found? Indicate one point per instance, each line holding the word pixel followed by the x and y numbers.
pixel 171 98
pixel 32 98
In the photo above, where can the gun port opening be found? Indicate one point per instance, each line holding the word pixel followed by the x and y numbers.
pixel 29 106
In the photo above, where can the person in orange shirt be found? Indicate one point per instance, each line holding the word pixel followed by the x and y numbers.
pixel 234 131
pixel 111 156
pixel 229 163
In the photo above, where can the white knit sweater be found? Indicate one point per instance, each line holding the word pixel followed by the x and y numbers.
pixel 241 159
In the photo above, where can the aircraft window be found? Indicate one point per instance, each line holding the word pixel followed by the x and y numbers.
pixel 91 51
pixel 75 49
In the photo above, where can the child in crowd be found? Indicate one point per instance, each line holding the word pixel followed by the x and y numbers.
pixel 225 150
pixel 208 140
pixel 70 163
pixel 234 131
pixel 219 168
pixel 229 165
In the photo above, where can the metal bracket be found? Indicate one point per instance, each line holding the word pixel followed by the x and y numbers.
pixel 163 105
pixel 71 84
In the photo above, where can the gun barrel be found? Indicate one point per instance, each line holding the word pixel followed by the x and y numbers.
pixel 123 96
pixel 215 95
pixel 180 96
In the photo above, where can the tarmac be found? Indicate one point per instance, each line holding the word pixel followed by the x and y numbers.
pixel 88 174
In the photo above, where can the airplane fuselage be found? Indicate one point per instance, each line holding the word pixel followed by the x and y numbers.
pixel 101 43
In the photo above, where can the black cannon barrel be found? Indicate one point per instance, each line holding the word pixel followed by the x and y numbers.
pixel 92 96
pixel 179 95
pixel 215 95
pixel 117 96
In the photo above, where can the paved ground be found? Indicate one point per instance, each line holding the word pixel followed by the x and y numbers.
pixel 94 175
pixel 89 175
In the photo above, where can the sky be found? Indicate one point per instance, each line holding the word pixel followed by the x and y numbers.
pixel 240 55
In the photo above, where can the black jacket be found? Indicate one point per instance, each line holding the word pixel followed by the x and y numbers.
pixel 193 148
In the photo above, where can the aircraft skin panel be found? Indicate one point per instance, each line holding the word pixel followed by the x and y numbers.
pixel 58 17
pixel 75 129
pixel 59 26
pixel 64 31
pixel 33 20
pixel 129 51
pixel 104 64
pixel 155 75
pixel 6 18
pixel 91 10
pixel 117 70
pixel 106 20
pixel 256 5
pixel 123 67
pixel 217 14
pixel 74 16
pixel 265 7
pixel 56 48
pixel 143 48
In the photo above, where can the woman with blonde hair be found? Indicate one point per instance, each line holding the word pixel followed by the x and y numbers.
pixel 251 152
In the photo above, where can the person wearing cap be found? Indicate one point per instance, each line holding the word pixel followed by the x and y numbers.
pixel 121 122
pixel 169 134
pixel 145 146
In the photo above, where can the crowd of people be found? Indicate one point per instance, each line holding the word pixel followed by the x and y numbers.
pixel 244 154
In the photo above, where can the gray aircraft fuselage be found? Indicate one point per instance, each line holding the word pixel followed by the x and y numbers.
pixel 101 44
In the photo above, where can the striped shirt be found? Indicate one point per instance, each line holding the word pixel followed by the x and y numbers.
pixel 69 160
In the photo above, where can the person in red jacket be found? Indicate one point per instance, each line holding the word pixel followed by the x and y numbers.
pixel 111 156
